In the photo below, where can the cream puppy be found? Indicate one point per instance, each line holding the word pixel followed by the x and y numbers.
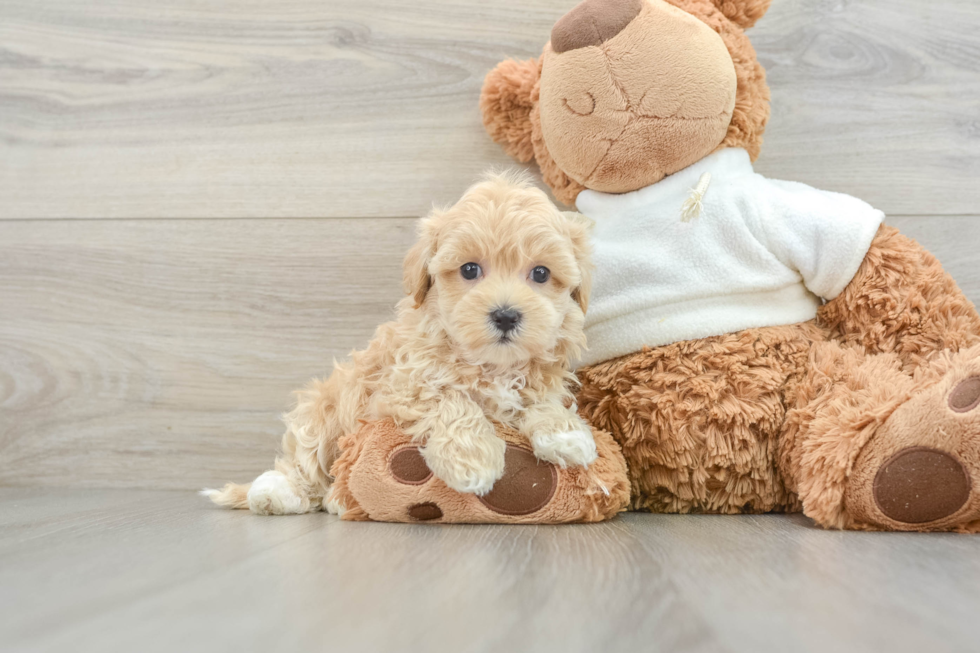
pixel 497 288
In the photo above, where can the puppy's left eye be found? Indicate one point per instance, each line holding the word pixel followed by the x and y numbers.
pixel 470 271
pixel 540 274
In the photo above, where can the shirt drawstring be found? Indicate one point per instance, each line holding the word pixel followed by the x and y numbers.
pixel 693 205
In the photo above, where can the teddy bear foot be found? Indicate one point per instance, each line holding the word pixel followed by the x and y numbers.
pixel 921 470
pixel 382 476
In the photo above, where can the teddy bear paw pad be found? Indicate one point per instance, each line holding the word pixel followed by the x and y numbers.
pixel 408 466
pixel 425 511
pixel 526 487
pixel 965 396
pixel 919 485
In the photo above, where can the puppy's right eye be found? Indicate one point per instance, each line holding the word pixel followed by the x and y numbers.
pixel 470 271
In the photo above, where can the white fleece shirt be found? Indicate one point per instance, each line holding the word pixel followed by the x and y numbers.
pixel 762 252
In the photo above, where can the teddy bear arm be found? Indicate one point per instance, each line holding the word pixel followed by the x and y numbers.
pixel 902 301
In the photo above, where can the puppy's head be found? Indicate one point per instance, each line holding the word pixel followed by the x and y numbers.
pixel 504 273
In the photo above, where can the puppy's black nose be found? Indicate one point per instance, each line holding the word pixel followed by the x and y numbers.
pixel 506 319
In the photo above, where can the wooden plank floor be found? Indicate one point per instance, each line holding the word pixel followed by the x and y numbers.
pixel 126 570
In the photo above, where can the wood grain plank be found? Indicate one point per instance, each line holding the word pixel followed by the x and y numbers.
pixel 245 108
pixel 231 109
pixel 877 99
pixel 123 570
pixel 159 353
pixel 127 346
pixel 955 241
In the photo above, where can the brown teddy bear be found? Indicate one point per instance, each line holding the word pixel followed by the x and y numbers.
pixel 755 345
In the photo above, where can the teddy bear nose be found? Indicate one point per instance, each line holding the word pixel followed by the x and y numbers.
pixel 592 22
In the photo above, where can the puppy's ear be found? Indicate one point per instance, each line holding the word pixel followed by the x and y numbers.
pixel 506 102
pixel 581 232
pixel 743 13
pixel 415 275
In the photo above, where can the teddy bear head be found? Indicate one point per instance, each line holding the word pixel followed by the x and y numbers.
pixel 630 91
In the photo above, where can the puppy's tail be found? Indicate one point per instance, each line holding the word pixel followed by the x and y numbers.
pixel 232 496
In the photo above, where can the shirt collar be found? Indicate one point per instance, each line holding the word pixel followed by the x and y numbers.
pixel 726 163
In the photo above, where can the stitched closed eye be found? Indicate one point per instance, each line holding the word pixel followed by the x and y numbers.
pixel 581 106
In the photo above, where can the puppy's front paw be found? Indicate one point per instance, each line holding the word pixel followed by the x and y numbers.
pixel 565 448
pixel 470 467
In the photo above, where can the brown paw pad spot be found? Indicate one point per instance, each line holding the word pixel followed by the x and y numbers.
pixel 920 484
pixel 425 511
pixel 966 395
pixel 526 487
pixel 408 466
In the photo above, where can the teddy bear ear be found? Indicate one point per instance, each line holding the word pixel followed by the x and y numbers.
pixel 743 13
pixel 506 104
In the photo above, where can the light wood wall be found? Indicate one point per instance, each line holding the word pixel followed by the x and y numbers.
pixel 203 203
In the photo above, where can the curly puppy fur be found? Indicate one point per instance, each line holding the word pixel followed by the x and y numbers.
pixel 443 369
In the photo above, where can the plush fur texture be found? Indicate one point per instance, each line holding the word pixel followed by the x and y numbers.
pixel 743 13
pixel 862 418
pixel 444 369
pixel 506 104
pixel 902 301
pixel 700 421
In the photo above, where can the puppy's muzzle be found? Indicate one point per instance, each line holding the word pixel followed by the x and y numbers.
pixel 505 319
